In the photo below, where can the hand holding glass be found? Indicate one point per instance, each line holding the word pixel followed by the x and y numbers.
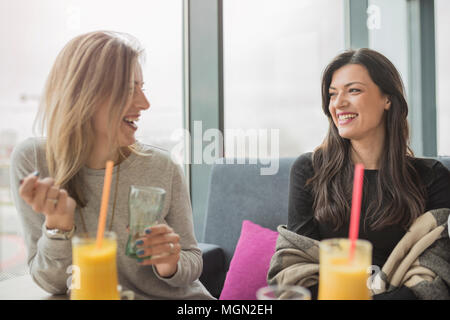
pixel 145 205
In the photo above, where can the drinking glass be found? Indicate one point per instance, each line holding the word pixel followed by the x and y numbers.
pixel 94 270
pixel 340 278
pixel 145 205
pixel 283 292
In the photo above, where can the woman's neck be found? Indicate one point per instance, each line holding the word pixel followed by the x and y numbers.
pixel 98 157
pixel 368 152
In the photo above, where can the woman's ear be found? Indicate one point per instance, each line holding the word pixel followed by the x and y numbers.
pixel 387 104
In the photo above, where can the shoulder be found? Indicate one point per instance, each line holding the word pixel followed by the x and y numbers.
pixel 28 156
pixel 303 163
pixel 430 170
pixel 28 150
pixel 158 158
pixel 436 178
pixel 28 146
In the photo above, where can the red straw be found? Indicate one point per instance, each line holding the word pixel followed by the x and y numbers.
pixel 104 204
pixel 356 207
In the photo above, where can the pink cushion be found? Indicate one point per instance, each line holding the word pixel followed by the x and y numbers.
pixel 250 263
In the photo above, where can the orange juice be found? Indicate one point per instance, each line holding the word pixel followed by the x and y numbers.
pixel 340 278
pixel 95 275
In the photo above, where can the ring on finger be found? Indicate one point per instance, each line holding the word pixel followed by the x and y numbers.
pixel 55 201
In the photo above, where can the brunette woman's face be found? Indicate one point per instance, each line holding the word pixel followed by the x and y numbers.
pixel 357 105
pixel 130 116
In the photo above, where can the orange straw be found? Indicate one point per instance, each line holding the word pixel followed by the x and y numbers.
pixel 356 207
pixel 104 204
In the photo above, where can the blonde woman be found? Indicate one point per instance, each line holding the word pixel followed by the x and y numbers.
pixel 91 103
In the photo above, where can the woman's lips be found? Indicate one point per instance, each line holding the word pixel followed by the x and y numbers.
pixel 346 118
pixel 131 125
pixel 346 121
pixel 131 120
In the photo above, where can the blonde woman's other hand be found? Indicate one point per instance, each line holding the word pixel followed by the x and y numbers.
pixel 54 203
pixel 163 245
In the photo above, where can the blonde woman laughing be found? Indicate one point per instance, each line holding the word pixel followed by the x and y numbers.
pixel 91 103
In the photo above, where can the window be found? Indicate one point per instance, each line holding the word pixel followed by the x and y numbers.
pixel 33 33
pixel 387 23
pixel 274 55
pixel 442 10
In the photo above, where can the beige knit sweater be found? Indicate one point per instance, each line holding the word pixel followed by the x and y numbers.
pixel 50 259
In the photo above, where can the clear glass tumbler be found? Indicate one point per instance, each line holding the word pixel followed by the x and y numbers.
pixel 341 278
pixel 145 205
pixel 94 269
pixel 283 292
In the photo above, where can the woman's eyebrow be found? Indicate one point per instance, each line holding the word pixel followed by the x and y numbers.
pixel 349 84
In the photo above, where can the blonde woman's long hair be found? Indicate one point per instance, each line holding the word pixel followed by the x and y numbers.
pixel 92 69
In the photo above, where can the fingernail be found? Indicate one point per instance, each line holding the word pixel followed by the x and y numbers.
pixel 36 173
pixel 140 252
pixel 148 231
pixel 139 243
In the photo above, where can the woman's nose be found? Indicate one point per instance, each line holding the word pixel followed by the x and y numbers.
pixel 339 100
pixel 142 102
pixel 145 105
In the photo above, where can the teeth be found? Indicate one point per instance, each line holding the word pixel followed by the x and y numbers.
pixel 347 116
pixel 131 119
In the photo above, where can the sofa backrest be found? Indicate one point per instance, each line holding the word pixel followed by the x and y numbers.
pixel 445 161
pixel 239 192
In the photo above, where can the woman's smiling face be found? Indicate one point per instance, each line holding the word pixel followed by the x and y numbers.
pixel 357 104
pixel 133 111
pixel 137 103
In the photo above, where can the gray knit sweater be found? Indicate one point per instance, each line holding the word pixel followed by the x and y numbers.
pixel 48 259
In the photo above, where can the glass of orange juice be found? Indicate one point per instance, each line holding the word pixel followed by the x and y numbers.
pixel 340 278
pixel 94 270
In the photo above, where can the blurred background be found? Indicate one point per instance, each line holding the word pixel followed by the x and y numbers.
pixel 270 53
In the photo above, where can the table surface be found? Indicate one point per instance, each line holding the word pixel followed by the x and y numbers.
pixel 24 288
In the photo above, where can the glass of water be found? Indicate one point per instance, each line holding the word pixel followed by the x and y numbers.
pixel 145 206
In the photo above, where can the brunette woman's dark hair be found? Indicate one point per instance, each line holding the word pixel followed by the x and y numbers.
pixel 401 195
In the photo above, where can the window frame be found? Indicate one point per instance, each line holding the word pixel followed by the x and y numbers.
pixel 203 80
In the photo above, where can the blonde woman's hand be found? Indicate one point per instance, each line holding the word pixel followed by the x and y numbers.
pixel 46 198
pixel 163 245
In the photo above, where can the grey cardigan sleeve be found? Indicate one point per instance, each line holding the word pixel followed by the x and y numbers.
pixel 179 218
pixel 48 260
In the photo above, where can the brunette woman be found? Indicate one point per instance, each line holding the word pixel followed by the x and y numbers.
pixel 364 101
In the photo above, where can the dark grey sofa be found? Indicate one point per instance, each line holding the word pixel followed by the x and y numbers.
pixel 238 192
